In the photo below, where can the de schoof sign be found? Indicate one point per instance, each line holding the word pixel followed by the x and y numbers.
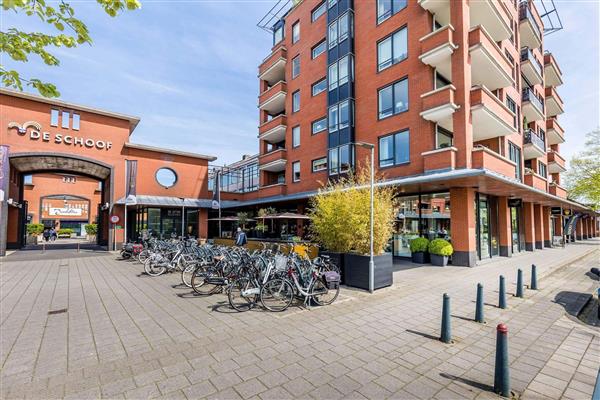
pixel 35 133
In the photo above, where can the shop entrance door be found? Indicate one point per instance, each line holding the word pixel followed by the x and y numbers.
pixel 483 237
pixel 514 229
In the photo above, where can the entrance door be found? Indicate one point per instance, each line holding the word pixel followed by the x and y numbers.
pixel 484 238
pixel 514 229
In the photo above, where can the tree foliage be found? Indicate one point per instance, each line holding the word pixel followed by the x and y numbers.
pixel 340 214
pixel 69 32
pixel 583 176
pixel 91 229
pixel 35 229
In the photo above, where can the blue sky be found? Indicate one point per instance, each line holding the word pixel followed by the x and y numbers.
pixel 188 69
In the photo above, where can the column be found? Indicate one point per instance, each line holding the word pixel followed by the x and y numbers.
pixel 504 228
pixel 203 224
pixel 529 222
pixel 4 189
pixel 547 231
pixel 463 226
pixel 579 228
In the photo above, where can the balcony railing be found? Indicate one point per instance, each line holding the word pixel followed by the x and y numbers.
pixel 525 14
pixel 527 55
pixel 535 139
pixel 529 95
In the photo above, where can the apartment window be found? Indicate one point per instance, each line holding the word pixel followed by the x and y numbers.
pixel 339 116
pixel 65 119
pixel 340 159
pixel 393 99
pixel 512 106
pixel 296 101
pixel 317 12
pixel 28 179
pixel 331 3
pixel 387 8
pixel 392 49
pixel 296 171
pixel 296 136
pixel 514 154
pixel 319 125
pixel 319 165
pixel 443 137
pixel 440 80
pixel 319 87
pixel 295 66
pixel 295 32
pixel 75 124
pixel 278 34
pixel 341 71
pixel 319 49
pixel 53 117
pixel 542 169
pixel 394 149
pixel 340 29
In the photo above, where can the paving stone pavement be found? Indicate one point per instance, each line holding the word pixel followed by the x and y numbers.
pixel 127 335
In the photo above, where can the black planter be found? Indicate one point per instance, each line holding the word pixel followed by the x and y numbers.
pixel 420 257
pixel 337 259
pixel 357 271
pixel 440 261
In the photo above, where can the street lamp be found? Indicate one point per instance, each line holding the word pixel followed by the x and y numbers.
pixel 371 260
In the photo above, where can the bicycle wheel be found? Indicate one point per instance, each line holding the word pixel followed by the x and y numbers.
pixel 199 281
pixel 143 256
pixel 321 294
pixel 152 268
pixel 277 295
pixel 187 274
pixel 237 299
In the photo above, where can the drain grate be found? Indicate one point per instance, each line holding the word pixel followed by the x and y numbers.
pixel 62 310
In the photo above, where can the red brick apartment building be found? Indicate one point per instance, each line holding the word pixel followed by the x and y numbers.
pixel 459 99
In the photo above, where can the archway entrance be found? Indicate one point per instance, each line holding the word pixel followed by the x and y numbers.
pixel 23 165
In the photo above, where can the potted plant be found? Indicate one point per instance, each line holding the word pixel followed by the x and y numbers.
pixel 65 232
pixel 260 230
pixel 418 250
pixel 440 251
pixel 340 222
pixel 33 231
pixel 91 230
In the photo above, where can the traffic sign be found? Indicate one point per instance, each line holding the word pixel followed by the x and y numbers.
pixel 114 219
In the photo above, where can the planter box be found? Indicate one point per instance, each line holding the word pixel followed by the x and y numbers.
pixel 440 261
pixel 337 259
pixel 31 239
pixel 420 257
pixel 357 270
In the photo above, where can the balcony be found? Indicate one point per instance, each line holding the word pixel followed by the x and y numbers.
pixel 556 163
pixel 493 16
pixel 533 145
pixel 273 161
pixel 273 131
pixel 490 117
pixel 437 47
pixel 557 190
pixel 535 181
pixel 533 107
pixel 443 159
pixel 489 65
pixel 554 104
pixel 438 105
pixel 531 67
pixel 441 9
pixel 554 132
pixel 272 100
pixel 277 189
pixel 484 158
pixel 272 68
pixel 531 34
pixel 553 72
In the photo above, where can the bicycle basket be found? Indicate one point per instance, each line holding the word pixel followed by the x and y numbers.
pixel 332 279
pixel 281 263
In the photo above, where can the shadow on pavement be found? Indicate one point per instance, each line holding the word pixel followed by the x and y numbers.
pixel 425 335
pixel 475 384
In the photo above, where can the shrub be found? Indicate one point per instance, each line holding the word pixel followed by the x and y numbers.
pixel 419 245
pixel 260 227
pixel 35 229
pixel 441 247
pixel 65 231
pixel 340 214
pixel 91 229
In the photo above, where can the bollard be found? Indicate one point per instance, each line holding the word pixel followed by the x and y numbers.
pixel 43 247
pixel 446 335
pixel 502 293
pixel 533 277
pixel 78 247
pixel 479 305
pixel 519 283
pixel 501 372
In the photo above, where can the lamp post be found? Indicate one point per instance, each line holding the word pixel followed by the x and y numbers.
pixel 182 216
pixel 371 260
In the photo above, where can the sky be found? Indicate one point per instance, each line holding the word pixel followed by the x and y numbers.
pixel 188 69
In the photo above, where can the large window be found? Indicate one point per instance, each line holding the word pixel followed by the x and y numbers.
pixel 296 171
pixel 296 136
pixel 387 8
pixel 296 101
pixel 392 49
pixel 278 34
pixel 542 169
pixel 317 12
pixel 319 49
pixel 53 117
pixel 295 32
pixel 319 164
pixel 319 87
pixel 65 119
pixel 319 125
pixel 295 67
pixel 339 30
pixel 512 106
pixel 443 137
pixel 514 154
pixel 393 99
pixel 339 116
pixel 394 149
pixel 341 71
pixel 76 119
pixel 340 159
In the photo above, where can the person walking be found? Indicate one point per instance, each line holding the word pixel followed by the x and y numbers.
pixel 46 234
pixel 241 238
pixel 53 234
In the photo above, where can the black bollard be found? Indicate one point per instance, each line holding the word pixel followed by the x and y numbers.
pixel 519 283
pixel 501 373
pixel 502 293
pixel 533 277
pixel 446 335
pixel 479 305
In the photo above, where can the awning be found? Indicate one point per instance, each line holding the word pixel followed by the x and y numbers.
pixel 285 216
pixel 167 201
pixel 233 219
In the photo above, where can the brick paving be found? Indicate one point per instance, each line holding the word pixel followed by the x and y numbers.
pixel 126 335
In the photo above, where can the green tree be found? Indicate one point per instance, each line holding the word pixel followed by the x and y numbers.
pixel 69 31
pixel 583 176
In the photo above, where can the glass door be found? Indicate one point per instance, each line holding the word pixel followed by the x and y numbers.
pixel 483 241
pixel 514 229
